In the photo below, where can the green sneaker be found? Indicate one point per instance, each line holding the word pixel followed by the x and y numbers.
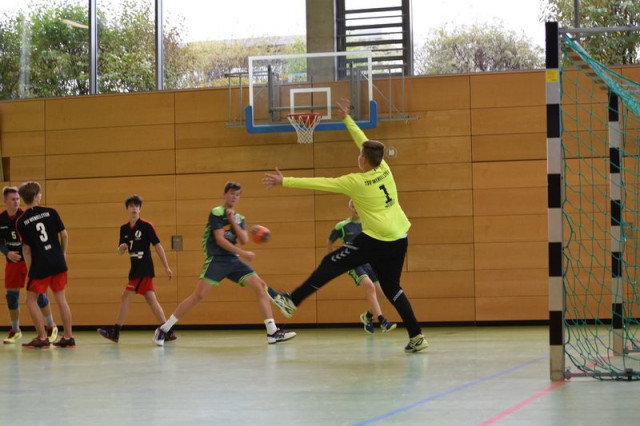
pixel 387 326
pixel 14 335
pixel 416 344
pixel 367 322
pixel 282 301
pixel 52 333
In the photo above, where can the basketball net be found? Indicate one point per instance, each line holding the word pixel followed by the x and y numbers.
pixel 304 123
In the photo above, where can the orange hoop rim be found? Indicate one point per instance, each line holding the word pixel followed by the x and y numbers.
pixel 304 114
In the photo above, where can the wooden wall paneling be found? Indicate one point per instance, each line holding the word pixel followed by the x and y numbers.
pixel 24 168
pixel 112 215
pixel 111 139
pixel 16 144
pixel 437 93
pixel 510 120
pixel 132 109
pixel 518 282
pixel 497 229
pixel 195 106
pixel 441 230
pixel 433 176
pixel 437 203
pixel 111 190
pixel 245 158
pixel 409 151
pixel 110 164
pixel 514 255
pixel 93 240
pixel 218 135
pixel 440 257
pixel 22 115
pixel 507 89
pixel 512 308
pixel 509 174
pixel 438 284
pixel 522 146
pixel 459 309
pixel 509 201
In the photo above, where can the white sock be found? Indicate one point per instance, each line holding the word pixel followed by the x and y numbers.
pixel 271 326
pixel 170 322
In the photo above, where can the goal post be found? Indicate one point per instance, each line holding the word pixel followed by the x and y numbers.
pixel 593 176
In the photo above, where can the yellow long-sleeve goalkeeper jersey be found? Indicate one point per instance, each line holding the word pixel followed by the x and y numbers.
pixel 374 194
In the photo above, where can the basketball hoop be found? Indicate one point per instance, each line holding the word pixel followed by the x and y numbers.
pixel 304 123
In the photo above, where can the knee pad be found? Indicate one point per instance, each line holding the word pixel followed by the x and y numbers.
pixel 43 300
pixel 13 300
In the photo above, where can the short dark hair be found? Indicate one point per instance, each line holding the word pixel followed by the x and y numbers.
pixel 373 151
pixel 29 190
pixel 9 190
pixel 232 185
pixel 134 199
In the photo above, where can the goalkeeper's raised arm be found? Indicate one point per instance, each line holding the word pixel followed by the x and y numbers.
pixel 356 133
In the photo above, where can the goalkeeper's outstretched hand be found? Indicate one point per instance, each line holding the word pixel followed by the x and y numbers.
pixel 270 180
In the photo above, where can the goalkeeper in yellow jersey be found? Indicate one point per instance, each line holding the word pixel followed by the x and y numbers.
pixel 383 241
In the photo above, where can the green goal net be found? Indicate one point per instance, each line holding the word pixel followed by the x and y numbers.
pixel 600 124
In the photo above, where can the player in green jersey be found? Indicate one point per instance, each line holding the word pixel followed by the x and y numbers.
pixel 362 275
pixel 383 241
pixel 224 232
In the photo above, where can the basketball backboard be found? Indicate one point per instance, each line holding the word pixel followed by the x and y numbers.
pixel 310 82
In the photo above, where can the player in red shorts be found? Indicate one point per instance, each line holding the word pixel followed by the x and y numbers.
pixel 44 246
pixel 137 236
pixel 15 271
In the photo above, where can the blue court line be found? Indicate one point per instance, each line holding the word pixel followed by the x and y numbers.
pixel 451 391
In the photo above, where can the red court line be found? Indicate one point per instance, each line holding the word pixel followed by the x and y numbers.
pixel 524 403
pixel 533 397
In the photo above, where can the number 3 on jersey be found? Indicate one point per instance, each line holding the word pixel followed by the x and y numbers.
pixel 43 232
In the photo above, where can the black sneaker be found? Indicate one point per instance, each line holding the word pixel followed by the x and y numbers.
pixel 159 337
pixel 109 333
pixel 37 343
pixel 65 343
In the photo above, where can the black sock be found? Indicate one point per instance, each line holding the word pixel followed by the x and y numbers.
pixel 117 328
pixel 381 319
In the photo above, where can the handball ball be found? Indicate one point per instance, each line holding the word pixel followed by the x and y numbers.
pixel 260 234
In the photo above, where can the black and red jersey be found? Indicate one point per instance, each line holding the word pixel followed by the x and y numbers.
pixel 139 238
pixel 9 240
pixel 38 227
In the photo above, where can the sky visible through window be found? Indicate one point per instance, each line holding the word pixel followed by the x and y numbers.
pixel 217 20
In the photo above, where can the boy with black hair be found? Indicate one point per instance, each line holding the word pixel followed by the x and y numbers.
pixel 136 237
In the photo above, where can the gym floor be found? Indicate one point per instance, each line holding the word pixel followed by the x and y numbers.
pixel 334 376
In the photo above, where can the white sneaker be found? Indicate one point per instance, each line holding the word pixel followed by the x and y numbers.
pixel 159 337
pixel 280 336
